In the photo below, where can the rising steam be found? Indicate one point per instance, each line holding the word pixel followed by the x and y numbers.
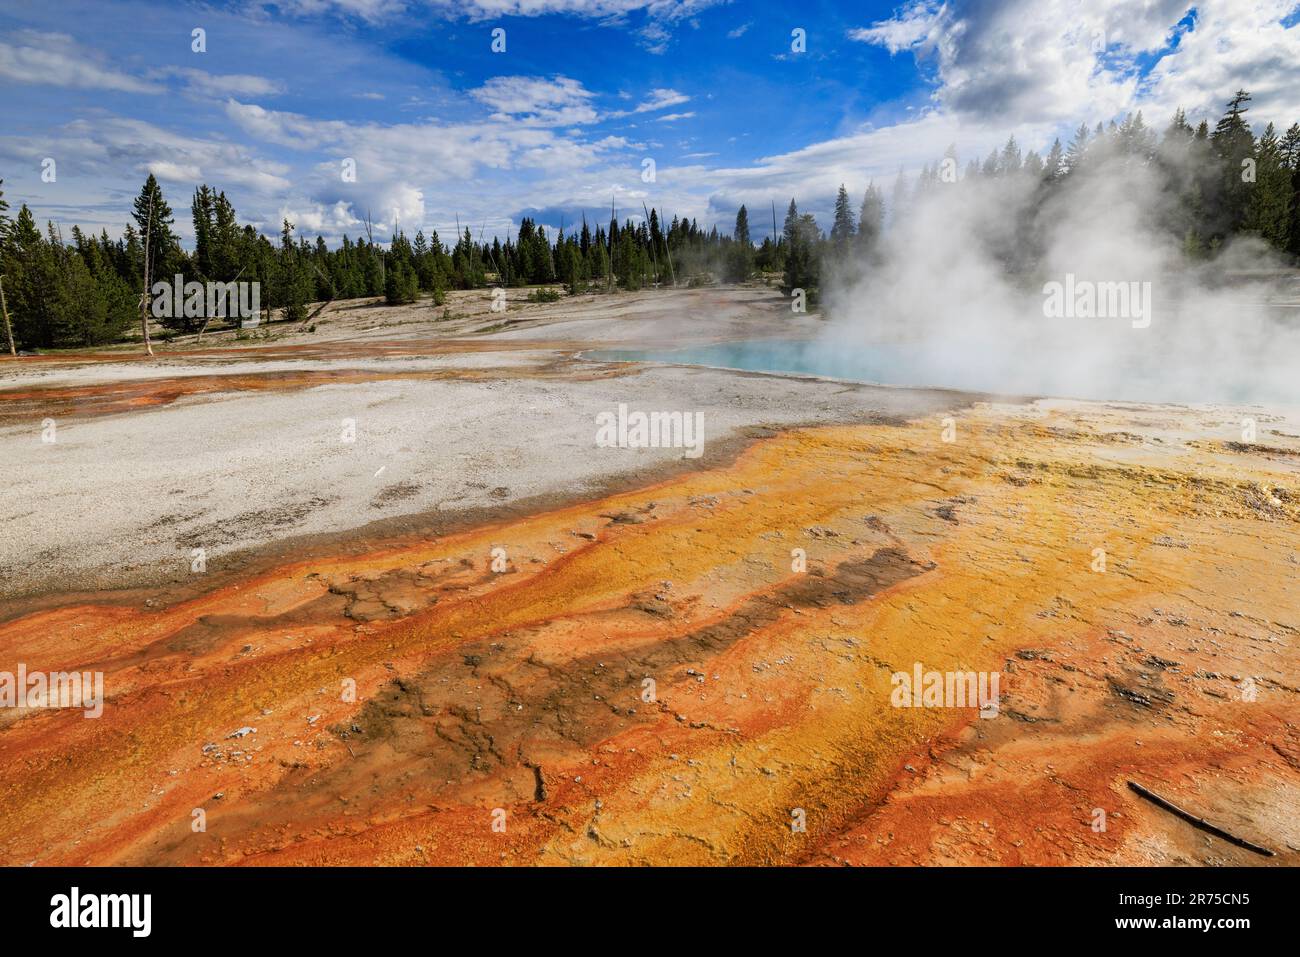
pixel 955 292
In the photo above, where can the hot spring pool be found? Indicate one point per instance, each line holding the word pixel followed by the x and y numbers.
pixel 1142 374
pixel 880 364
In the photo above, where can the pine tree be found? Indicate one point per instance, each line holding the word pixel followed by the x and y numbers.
pixel 1234 147
pixel 740 255
pixel 1136 140
pixel 657 247
pixel 1077 152
pixel 31 282
pixel 871 219
pixel 1289 148
pixel 154 216
pixel 425 267
pixel 791 225
pixel 401 284
pixel 899 197
pixel 292 289
pixel 628 265
pixel 82 312
pixel 843 228
pixel 598 260
pixel 225 240
pixel 1009 162
pixel 576 282
pixel 1179 129
pixel 802 269
pixel 1268 209
pixel 203 215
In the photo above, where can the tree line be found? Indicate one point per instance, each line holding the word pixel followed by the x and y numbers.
pixel 83 290
pixel 86 290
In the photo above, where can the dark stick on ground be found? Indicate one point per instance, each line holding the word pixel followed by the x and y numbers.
pixel 1195 821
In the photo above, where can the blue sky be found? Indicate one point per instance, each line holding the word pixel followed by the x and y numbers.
pixel 586 91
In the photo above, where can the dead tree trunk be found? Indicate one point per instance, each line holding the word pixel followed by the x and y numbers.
pixel 144 298
pixel 9 330
pixel 334 292
pixel 207 319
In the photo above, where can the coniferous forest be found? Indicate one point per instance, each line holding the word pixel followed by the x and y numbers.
pixel 81 290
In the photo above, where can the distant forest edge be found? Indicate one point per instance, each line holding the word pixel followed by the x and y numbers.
pixel 89 291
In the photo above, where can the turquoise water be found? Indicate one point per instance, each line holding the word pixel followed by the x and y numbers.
pixel 770 355
pixel 882 364
pixel 1141 370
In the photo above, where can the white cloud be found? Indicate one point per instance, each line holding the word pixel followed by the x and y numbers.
pixel 661 98
pixel 655 33
pixel 673 117
pixel 1030 59
pixel 555 102
pixel 188 173
pixel 1072 60
pixel 1234 44
pixel 223 85
pixel 402 168
pixel 57 59
pixel 914 27
pixel 372 11
pixel 319 218
pixel 668 10
pixel 121 151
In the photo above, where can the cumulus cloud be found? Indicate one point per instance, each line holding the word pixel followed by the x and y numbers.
pixel 915 27
pixel 1234 44
pixel 401 168
pixel 185 173
pixel 110 143
pixel 558 101
pixel 1062 60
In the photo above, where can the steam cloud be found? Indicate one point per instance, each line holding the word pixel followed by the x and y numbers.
pixel 953 298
